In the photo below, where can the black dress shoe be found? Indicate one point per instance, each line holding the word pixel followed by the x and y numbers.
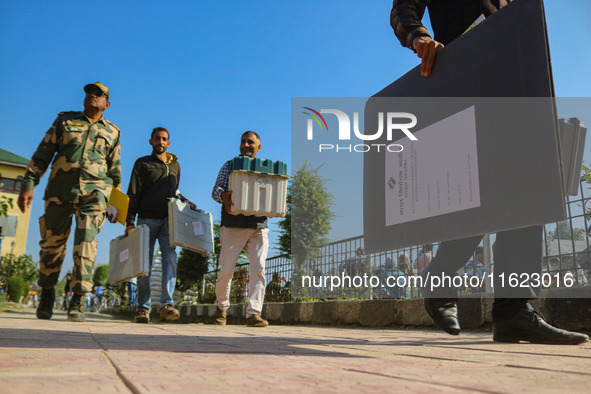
pixel 530 326
pixel 444 312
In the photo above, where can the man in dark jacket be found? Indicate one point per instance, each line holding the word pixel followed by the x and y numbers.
pixel 155 179
pixel 514 319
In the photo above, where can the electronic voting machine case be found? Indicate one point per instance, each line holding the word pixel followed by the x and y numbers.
pixel 129 256
pixel 190 229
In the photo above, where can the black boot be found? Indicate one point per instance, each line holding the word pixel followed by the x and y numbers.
pixel 45 308
pixel 444 312
pixel 76 309
pixel 528 325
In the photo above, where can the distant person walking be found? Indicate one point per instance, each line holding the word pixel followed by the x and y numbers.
pixel 67 290
pixel 424 259
pixel 132 290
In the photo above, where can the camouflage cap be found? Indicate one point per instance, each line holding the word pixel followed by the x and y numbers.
pixel 99 85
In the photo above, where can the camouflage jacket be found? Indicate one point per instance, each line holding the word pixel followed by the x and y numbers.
pixel 274 288
pixel 86 157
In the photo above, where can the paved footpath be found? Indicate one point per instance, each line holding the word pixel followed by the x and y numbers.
pixel 110 355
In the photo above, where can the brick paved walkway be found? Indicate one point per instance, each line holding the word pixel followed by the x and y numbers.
pixel 116 356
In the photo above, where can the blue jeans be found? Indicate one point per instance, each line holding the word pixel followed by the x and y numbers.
pixel 87 300
pixel 131 290
pixel 158 230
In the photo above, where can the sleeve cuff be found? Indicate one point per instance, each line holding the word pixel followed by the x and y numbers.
pixel 28 184
pixel 419 32
pixel 217 195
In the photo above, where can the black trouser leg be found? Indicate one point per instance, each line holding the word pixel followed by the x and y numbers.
pixel 451 256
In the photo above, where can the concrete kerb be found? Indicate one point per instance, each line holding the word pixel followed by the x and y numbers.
pixel 474 311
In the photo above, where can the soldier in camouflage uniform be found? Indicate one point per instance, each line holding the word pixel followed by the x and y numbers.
pixel 86 165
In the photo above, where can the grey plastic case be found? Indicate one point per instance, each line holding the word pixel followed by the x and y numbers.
pixel 190 229
pixel 129 256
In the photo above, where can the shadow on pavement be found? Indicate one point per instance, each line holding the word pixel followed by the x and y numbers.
pixel 162 337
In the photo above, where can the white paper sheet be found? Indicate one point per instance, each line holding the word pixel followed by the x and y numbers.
pixel 435 175
pixel 124 255
pixel 111 213
pixel 197 228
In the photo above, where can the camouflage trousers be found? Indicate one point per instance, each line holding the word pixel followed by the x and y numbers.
pixel 90 214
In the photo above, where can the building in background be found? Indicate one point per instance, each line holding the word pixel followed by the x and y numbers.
pixel 15 226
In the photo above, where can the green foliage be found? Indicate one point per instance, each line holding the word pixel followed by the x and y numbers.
pixel 563 231
pixel 5 204
pixel 307 222
pixel 191 266
pixel 284 240
pixel 22 266
pixel 19 272
pixel 311 214
pixel 217 246
pixel 101 274
pixel 209 294
pixel 17 287
pixel 586 177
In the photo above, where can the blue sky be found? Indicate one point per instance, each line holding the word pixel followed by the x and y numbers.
pixel 210 70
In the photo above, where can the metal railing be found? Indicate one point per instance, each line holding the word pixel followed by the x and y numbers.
pixel 347 257
pixel 566 251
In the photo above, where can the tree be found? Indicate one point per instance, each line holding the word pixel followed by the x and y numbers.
pixel 284 240
pixel 564 231
pixel 22 266
pixel 101 274
pixel 191 266
pixel 17 288
pixel 307 223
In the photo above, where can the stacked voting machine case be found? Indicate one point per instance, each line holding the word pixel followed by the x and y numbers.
pixel 190 229
pixel 572 144
pixel 259 187
pixel 129 256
